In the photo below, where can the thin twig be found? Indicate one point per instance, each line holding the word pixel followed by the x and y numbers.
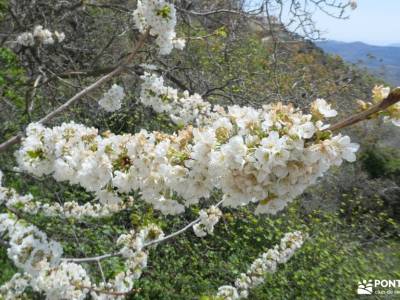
pixel 101 271
pixel 101 257
pixel 108 292
pixel 31 103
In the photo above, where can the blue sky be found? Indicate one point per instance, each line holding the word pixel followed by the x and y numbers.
pixel 374 22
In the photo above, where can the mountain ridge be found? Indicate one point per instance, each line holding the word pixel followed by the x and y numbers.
pixel 382 61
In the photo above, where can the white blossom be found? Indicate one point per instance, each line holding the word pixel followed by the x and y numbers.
pixel 380 92
pixel 159 17
pixel 69 209
pixel 232 150
pixel 183 109
pixel 43 35
pixel 321 107
pixel 208 219
pixel 60 36
pixel 112 99
pixel 228 292
pixel 265 263
pixel 15 287
pixel 132 244
pixel 392 113
pixel 29 248
pixel 26 39
pixel 179 43
pixel 66 281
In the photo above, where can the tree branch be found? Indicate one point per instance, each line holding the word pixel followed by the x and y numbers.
pixel 16 139
pixel 392 99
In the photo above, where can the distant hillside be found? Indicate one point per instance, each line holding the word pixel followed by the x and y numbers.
pixel 383 61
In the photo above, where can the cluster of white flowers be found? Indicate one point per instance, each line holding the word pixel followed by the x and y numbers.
pixel 266 263
pixel 29 248
pixel 40 259
pixel 123 281
pixel 61 281
pixel 70 209
pixel 112 99
pixel 41 35
pixel 380 93
pixel 267 156
pixel 15 287
pixel 183 109
pixel 159 17
pixel 65 281
pixel 208 219
pixel 136 260
pixel 46 272
pixel 393 112
pixel 25 39
pixel 132 242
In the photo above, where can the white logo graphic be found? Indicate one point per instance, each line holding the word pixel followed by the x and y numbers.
pixel 364 287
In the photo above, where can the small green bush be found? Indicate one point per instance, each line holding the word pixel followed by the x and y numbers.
pixel 381 162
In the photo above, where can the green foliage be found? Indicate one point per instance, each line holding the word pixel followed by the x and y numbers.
pixel 11 76
pixel 335 256
pixel 7 268
pixel 3 8
pixel 381 162
pixel 369 215
pixel 328 267
pixel 12 79
pixel 164 12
